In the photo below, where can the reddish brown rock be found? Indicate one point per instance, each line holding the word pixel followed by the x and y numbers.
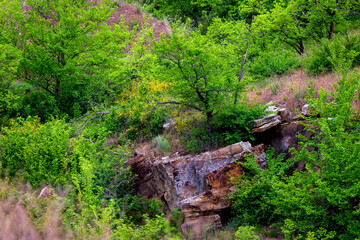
pixel 198 185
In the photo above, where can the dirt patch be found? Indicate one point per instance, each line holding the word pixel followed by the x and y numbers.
pixel 134 16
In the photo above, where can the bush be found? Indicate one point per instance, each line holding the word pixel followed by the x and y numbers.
pixel 323 56
pixel 163 144
pixel 36 152
pixel 321 202
pixel 38 103
pixel 138 114
pixel 192 130
pixel 156 228
pixel 254 201
pixel 246 233
pixel 273 62
pixel 232 124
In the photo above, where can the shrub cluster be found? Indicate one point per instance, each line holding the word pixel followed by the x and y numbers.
pixel 323 57
pixel 322 201
pixel 274 61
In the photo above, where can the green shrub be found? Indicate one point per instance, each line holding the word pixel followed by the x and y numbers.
pixel 37 152
pixel 138 114
pixel 156 228
pixel 254 201
pixel 134 208
pixel 163 144
pixel 177 218
pixel 232 124
pixel 273 62
pixel 228 126
pixel 156 207
pixel 191 128
pixel 324 195
pixel 246 233
pixel 274 88
pixel 321 202
pixel 38 103
pixel 323 56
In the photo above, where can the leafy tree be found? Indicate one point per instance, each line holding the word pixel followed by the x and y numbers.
pixel 9 54
pixel 68 49
pixel 205 71
pixel 295 21
pixel 197 75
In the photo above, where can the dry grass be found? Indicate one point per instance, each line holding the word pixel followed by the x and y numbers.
pixel 25 216
pixel 292 89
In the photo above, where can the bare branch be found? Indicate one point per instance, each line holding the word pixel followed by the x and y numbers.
pixel 92 118
pixel 94 115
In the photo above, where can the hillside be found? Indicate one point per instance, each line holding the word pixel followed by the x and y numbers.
pixel 222 120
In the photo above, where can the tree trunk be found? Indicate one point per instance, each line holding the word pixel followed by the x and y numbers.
pixel 209 117
pixel 331 31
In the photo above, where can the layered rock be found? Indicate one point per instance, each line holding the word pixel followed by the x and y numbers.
pixel 271 120
pixel 198 185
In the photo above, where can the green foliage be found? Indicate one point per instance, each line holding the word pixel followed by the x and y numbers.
pixel 255 199
pixel 196 75
pixel 68 49
pixel 206 73
pixel 163 144
pixel 9 56
pixel 38 151
pixel 273 62
pixel 321 202
pixel 135 207
pixel 329 168
pixel 45 153
pixel 156 228
pixel 246 233
pixel 138 114
pixel 323 56
pixel 232 124
pixel 38 103
pixel 177 218
pixel 294 22
pixel 156 207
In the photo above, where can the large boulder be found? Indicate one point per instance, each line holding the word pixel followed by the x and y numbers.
pixel 198 185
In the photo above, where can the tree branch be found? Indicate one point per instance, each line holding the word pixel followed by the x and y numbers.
pixel 179 103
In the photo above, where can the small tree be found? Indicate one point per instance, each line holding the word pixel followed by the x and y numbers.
pixel 206 72
pixel 68 49
pixel 294 22
pixel 9 54
pixel 193 66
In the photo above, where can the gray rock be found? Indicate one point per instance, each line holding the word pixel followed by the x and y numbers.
pixel 266 123
pixel 305 110
pixel 285 114
pixel 198 185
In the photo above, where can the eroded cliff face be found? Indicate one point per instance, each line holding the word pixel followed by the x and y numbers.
pixel 198 185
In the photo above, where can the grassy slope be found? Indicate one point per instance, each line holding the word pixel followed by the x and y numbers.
pixel 290 90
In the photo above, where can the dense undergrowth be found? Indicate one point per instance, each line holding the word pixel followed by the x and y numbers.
pixel 73 103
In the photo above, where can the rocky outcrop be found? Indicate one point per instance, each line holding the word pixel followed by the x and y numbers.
pixel 283 137
pixel 198 185
pixel 272 120
pixel 265 123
